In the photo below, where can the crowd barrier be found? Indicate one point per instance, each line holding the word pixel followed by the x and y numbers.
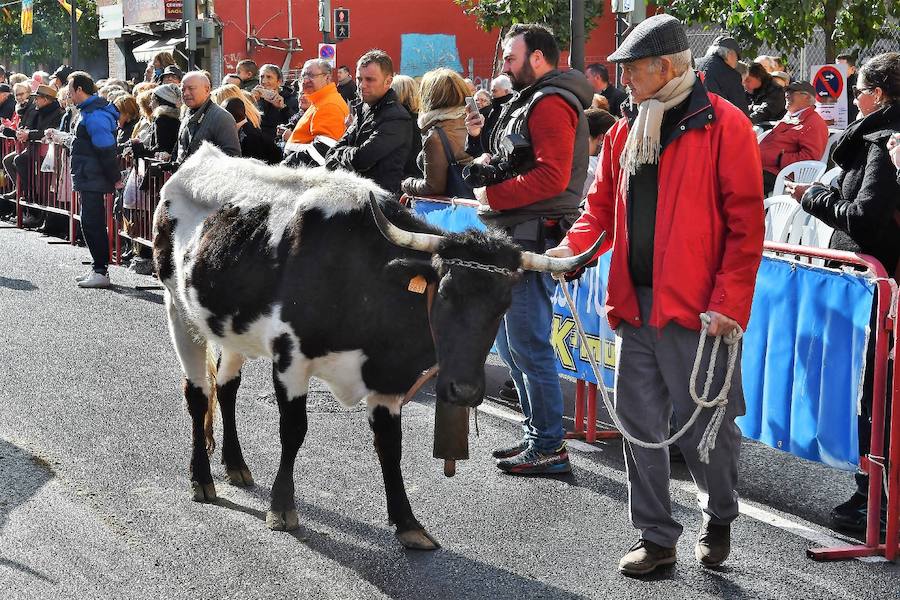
pixel 803 360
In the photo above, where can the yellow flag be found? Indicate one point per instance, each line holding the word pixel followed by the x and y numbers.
pixel 68 8
pixel 27 16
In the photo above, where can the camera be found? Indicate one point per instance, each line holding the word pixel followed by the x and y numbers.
pixel 515 154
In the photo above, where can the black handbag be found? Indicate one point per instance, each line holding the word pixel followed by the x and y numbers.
pixel 456 186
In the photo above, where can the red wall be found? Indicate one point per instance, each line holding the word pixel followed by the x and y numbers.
pixel 374 24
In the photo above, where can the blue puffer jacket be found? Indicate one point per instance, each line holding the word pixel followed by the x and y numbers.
pixel 95 167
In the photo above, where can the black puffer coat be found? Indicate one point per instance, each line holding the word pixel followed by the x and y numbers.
pixel 48 117
pixel 864 205
pixel 767 103
pixel 377 144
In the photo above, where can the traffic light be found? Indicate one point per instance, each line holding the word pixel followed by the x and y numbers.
pixel 341 27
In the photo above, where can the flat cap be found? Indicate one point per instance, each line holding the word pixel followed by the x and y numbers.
pixel 726 41
pixel 657 36
pixel 802 86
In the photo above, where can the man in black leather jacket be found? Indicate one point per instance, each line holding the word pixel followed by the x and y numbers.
pixel 377 143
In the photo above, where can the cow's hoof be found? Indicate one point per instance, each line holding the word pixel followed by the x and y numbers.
pixel 417 539
pixel 282 520
pixel 239 477
pixel 203 492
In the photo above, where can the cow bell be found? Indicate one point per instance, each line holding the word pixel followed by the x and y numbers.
pixel 451 435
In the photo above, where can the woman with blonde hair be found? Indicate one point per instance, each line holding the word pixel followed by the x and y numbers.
pixel 442 122
pixel 407 90
pixel 129 114
pixel 228 91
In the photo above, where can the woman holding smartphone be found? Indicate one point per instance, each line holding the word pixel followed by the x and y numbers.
pixel 276 102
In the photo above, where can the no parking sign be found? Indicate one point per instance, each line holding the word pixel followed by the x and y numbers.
pixel 328 52
pixel 830 82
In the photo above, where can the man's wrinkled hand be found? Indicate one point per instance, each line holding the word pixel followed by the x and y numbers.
pixel 719 324
pixel 561 251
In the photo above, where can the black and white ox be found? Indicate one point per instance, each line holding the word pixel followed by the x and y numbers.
pixel 290 265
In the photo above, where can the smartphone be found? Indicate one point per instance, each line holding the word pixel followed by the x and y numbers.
pixel 471 105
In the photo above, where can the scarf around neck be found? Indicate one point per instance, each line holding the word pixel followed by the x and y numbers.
pixel 643 143
pixel 427 119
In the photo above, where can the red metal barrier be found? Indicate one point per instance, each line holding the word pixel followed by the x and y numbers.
pixel 138 221
pixel 874 464
pixel 46 189
pixel 7 145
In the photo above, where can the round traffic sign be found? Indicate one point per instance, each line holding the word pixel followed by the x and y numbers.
pixel 828 82
pixel 326 52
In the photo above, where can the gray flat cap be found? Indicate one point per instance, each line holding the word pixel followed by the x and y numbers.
pixel 657 36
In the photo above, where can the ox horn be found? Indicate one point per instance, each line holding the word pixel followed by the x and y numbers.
pixel 425 242
pixel 552 264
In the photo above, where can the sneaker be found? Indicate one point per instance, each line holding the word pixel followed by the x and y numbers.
pixel 644 558
pixel 508 391
pixel 853 515
pixel 84 276
pixel 534 462
pixel 510 451
pixel 713 545
pixel 95 280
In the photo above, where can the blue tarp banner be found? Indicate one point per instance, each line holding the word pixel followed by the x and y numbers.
pixel 803 358
pixel 803 362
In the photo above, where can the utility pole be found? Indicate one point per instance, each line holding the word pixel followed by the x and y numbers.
pixel 189 20
pixel 73 57
pixel 576 47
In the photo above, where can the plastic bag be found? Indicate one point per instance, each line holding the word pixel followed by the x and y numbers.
pixel 49 163
pixel 130 194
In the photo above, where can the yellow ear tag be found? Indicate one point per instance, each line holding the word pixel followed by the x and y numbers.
pixel 417 284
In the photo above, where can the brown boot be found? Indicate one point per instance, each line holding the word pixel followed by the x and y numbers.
pixel 713 545
pixel 644 557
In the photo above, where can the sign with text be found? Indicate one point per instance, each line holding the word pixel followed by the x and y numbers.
pixel 830 82
pixel 135 12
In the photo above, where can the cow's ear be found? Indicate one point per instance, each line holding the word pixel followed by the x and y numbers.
pixel 402 270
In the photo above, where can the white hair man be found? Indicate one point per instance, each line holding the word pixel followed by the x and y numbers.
pixel 668 267
pixel 717 70
pixel 501 87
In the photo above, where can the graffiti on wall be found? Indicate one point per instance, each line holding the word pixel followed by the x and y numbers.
pixel 420 53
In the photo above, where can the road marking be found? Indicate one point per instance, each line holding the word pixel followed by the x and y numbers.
pixel 754 511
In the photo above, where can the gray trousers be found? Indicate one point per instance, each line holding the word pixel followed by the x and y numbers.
pixel 653 370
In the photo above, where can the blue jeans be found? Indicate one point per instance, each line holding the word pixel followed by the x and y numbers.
pixel 523 342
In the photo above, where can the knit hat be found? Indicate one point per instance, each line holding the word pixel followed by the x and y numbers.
pixel 62 73
pixel 170 93
pixel 657 36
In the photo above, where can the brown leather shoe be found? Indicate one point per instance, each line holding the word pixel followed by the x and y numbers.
pixel 644 557
pixel 713 545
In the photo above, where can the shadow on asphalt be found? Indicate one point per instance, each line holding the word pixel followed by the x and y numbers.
pixel 24 474
pixel 23 285
pixel 400 573
pixel 146 295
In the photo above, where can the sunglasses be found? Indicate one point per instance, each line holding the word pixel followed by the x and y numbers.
pixel 859 91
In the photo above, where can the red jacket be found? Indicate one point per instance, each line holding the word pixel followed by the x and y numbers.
pixel 793 141
pixel 709 219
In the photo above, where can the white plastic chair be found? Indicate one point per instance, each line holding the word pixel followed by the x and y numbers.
pixel 762 133
pixel 797 230
pixel 780 213
pixel 804 171
pixel 830 176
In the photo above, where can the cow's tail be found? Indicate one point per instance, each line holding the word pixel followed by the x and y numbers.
pixel 211 373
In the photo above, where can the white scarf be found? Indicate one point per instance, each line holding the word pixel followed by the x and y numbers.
pixel 643 144
pixel 440 114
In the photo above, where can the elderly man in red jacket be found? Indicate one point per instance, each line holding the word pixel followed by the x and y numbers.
pixel 800 135
pixel 686 227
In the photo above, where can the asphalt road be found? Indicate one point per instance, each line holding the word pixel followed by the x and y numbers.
pixel 95 499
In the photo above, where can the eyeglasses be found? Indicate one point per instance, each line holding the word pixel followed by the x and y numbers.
pixel 858 91
pixel 308 77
